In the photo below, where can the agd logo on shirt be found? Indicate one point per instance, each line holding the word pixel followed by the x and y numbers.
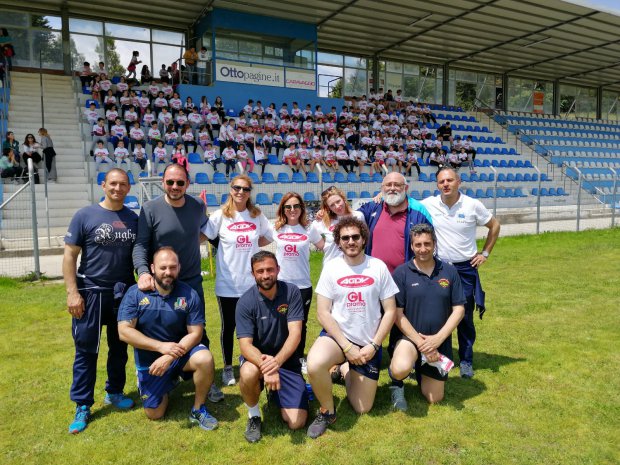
pixel 292 237
pixel 242 226
pixel 356 280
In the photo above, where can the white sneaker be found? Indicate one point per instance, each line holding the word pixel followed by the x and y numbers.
pixel 228 376
pixel 304 366
pixel 215 394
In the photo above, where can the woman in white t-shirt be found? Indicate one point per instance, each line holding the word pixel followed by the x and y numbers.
pixel 334 206
pixel 240 226
pixel 293 238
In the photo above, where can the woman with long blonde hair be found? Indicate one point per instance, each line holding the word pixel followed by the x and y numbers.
pixel 334 206
pixel 240 227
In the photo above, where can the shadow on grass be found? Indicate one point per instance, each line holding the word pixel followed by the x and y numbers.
pixel 493 362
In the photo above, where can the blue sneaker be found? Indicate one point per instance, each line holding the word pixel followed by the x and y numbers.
pixel 82 415
pixel 118 400
pixel 203 419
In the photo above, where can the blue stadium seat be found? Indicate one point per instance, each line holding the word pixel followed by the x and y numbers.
pixel 512 164
pixel 518 177
pixel 268 178
pixel 132 181
pixel 527 164
pixel 561 191
pixel 416 195
pixel 470 193
pixel 194 158
pixel 491 177
pixel 351 195
pixel 510 193
pixel 501 193
pixel 277 196
pixel 211 200
pixel 544 192
pixel 512 151
pixel 544 177
pixel 480 194
pixel 352 177
pixel 365 177
pixel 339 177
pixel 312 177
pixel 473 177
pixel 254 177
pixel 436 193
pixel 100 178
pixel 202 178
pixel 376 177
pixel 510 177
pixel 89 101
pixel 131 201
pixel 527 177
pixel 464 177
pixel 283 178
pixel 223 198
pixel 262 199
pixel 298 178
pixel 478 164
pixel 143 174
pixel 490 193
pixel 485 163
pixel 503 151
pixel 495 164
pixel 273 159
pixel 327 178
pixel 496 151
pixel 501 177
pixel 219 178
pixel 433 177
pixel 309 196
pixel 520 164
pixel 503 164
pixel 365 195
pixel 483 177
pixel 535 191
pixel 535 177
pixel 519 192
pixel 423 177
pixel 552 192
pixel 426 193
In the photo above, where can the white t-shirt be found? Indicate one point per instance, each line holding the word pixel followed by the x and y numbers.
pixel 356 293
pixel 331 250
pixel 456 227
pixel 293 252
pixel 238 242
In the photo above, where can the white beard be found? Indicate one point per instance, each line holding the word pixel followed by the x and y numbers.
pixel 394 200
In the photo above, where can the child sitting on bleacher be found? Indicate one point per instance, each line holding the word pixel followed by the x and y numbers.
pixel 101 155
pixel 160 155
pixel 139 156
pixel 210 156
pixel 122 154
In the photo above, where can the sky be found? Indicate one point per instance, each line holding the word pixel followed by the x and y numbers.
pixel 608 6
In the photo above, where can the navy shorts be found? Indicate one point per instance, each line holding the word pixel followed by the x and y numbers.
pixel 154 388
pixel 370 369
pixel 292 393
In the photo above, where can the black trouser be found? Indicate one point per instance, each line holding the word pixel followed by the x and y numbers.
pixel 346 165
pixel 306 298
pixel 187 143
pixel 227 307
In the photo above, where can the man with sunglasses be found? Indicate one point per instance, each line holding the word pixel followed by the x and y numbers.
pixel 350 295
pixel 173 220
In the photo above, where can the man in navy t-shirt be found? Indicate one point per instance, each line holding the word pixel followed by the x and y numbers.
pixel 430 304
pixel 269 318
pixel 165 327
pixel 104 234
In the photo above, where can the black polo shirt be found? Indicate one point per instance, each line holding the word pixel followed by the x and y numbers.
pixel 266 321
pixel 428 300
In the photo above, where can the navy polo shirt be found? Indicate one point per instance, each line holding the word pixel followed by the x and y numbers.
pixel 428 300
pixel 161 317
pixel 266 321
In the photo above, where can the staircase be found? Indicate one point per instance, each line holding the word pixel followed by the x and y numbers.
pixel 70 192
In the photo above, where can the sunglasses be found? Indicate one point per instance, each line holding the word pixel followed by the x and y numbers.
pixel 355 237
pixel 241 188
pixel 297 206
pixel 171 182
pixel 329 189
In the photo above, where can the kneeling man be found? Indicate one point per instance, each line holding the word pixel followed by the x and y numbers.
pixel 165 328
pixel 350 294
pixel 269 318
pixel 430 304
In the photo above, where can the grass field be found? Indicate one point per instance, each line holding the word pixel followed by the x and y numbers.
pixel 546 390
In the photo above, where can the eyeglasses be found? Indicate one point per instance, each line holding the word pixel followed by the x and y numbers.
pixel 397 185
pixel 355 237
pixel 297 206
pixel 241 188
pixel 172 182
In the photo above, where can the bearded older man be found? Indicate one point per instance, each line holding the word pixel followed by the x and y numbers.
pixel 390 221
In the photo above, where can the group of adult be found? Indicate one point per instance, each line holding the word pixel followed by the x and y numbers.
pixel 385 269
pixel 15 156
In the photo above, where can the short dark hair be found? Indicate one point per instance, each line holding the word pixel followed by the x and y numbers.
pixel 177 166
pixel 422 228
pixel 262 255
pixel 351 221
pixel 114 170
pixel 165 248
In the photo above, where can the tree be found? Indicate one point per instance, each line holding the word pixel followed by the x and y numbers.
pixel 46 41
pixel 336 89
pixel 114 66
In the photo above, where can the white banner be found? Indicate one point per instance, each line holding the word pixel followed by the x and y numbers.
pixel 299 79
pixel 248 73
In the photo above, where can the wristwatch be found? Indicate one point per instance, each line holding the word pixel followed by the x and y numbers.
pixel 485 254
pixel 375 346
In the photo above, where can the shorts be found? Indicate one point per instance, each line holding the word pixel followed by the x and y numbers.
pixel 370 369
pixel 154 388
pixel 426 369
pixel 380 162
pixel 292 393
pixel 293 160
pixel 330 162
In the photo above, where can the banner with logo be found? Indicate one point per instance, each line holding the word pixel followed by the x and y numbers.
pixel 249 73
pixel 300 79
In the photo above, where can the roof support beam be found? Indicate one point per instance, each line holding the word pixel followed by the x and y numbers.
pixel 335 13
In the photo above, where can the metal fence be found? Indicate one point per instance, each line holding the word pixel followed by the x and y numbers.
pixel 19 228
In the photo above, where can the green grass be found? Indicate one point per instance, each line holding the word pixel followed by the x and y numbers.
pixel 546 389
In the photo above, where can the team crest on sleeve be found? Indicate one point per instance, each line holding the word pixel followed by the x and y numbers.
pixel 443 282
pixel 144 301
pixel 282 309
pixel 180 304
